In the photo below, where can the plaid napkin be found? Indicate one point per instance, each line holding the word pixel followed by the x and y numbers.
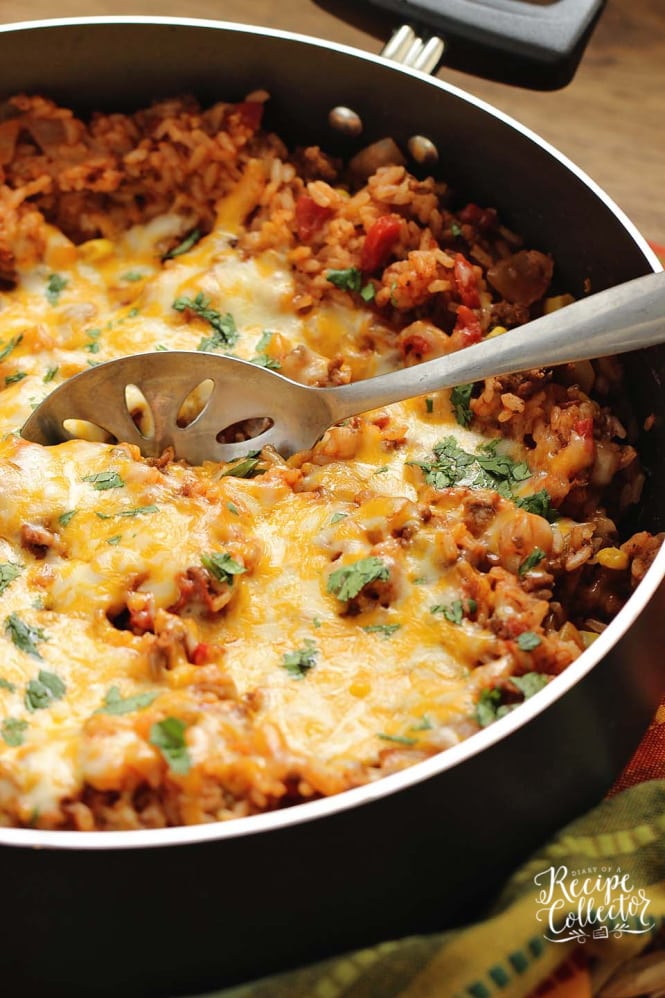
pixel 584 916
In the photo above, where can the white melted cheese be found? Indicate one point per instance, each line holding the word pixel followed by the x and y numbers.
pixel 142 536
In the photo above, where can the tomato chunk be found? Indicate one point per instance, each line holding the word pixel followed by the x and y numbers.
pixel 468 324
pixel 466 281
pixel 251 113
pixel 584 428
pixel 482 218
pixel 310 216
pixel 380 239
pixel 201 653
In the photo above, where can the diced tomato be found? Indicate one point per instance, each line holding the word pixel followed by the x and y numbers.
pixel 482 218
pixel 468 324
pixel 466 281
pixel 201 653
pixel 584 428
pixel 416 345
pixel 310 216
pixel 380 239
pixel 251 113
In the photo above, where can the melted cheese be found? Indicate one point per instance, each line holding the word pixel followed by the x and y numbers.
pixel 395 670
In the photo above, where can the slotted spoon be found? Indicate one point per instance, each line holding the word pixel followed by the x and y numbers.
pixel 627 317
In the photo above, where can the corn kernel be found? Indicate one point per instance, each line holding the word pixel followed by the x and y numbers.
pixel 556 302
pixel 359 688
pixel 497 331
pixel 95 250
pixel 613 558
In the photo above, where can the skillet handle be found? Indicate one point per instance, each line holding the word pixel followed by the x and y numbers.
pixel 530 43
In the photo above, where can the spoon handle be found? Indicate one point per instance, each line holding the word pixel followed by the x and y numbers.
pixel 626 317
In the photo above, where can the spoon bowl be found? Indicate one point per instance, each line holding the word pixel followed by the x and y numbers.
pixel 291 417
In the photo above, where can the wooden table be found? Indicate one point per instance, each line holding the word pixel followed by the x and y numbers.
pixel 610 119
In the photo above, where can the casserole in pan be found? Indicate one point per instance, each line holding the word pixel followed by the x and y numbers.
pixel 377 854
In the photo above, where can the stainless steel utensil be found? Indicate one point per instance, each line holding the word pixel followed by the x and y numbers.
pixel 627 317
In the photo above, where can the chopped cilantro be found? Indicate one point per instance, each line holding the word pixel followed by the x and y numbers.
pixel 12 731
pixel 92 346
pixel 264 340
pixel 530 683
pixel 349 279
pixel 399 739
pixel 368 292
pixel 450 466
pixel 539 503
pixel 115 539
pixel 528 640
pixel 222 566
pixel 138 510
pixel 298 663
pixel 41 692
pixel 8 572
pixel 12 379
pixel 387 630
pixel 424 724
pixel 6 685
pixel 132 276
pixel 224 329
pixel 115 703
pixel 54 287
pixel 488 469
pixel 160 348
pixel 23 636
pixel 316 621
pixel 489 707
pixel 104 480
pixel 460 398
pixel 456 229
pixel 382 470
pixel 263 360
pixel 336 517
pixel 346 583
pixel 184 247
pixel 454 612
pixel 245 468
pixel 169 737
pixel 9 346
pixel 531 561
pixel 232 508
pixel 134 511
pixel 501 465
pixel 50 374
pixel 67 517
pixel 133 312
